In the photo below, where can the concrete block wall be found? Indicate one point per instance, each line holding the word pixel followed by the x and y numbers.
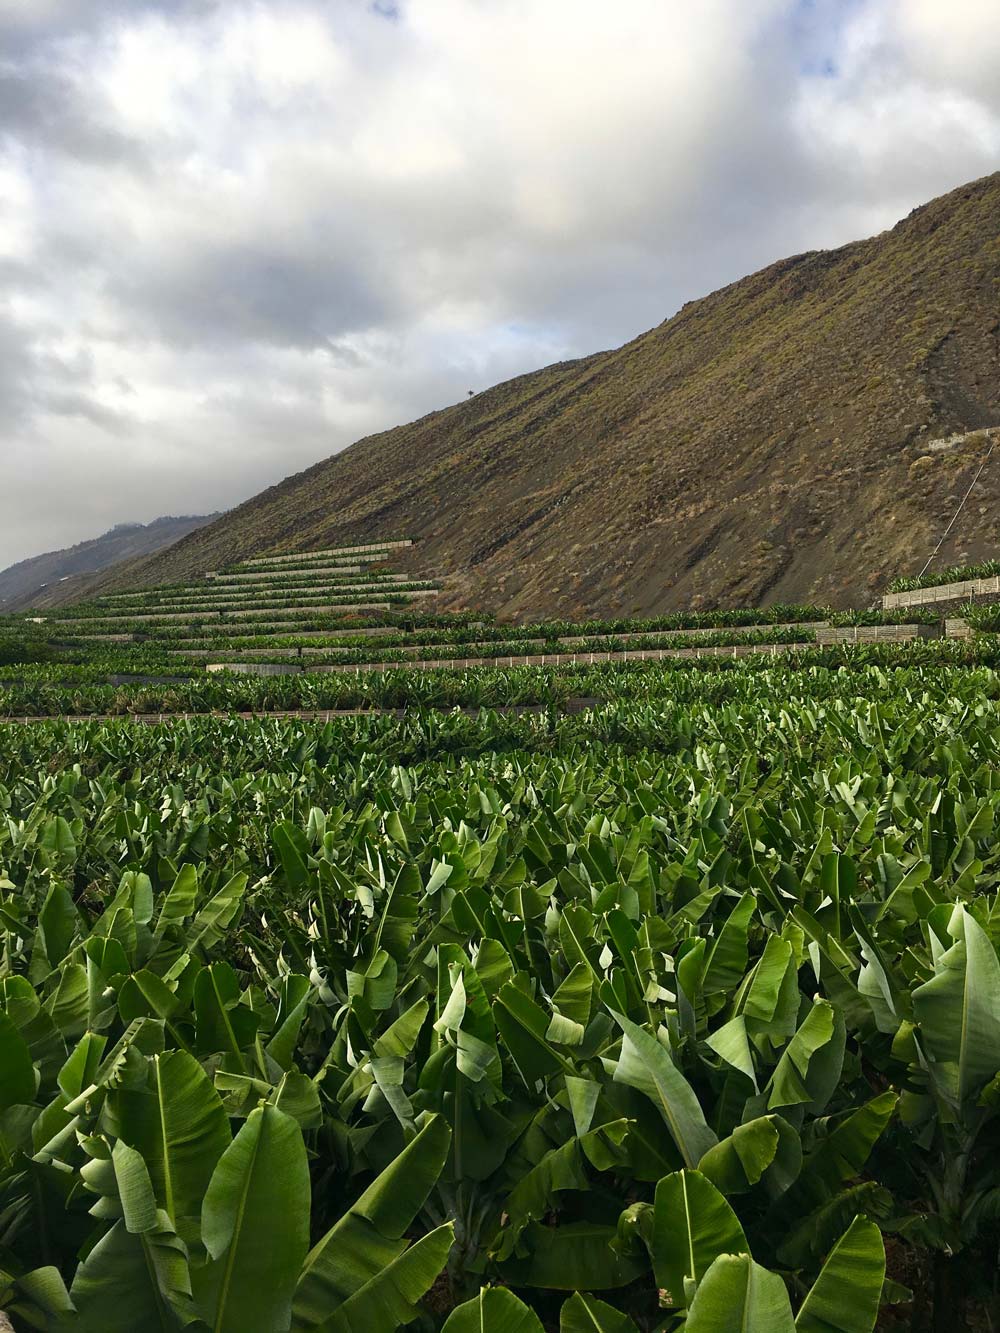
pixel 542 659
pixel 957 628
pixel 968 590
pixel 876 633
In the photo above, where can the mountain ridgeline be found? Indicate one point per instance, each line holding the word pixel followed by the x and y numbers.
pixel 779 440
pixel 57 576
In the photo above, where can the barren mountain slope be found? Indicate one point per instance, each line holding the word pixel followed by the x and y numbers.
pixel 768 442
pixel 56 576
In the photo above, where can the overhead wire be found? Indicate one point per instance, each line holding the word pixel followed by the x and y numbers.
pixel 941 540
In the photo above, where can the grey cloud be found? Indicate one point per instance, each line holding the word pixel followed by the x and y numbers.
pixel 236 235
pixel 70 403
pixel 240 293
pixel 16 375
pixel 49 111
pixel 35 381
pixel 25 25
pixel 16 275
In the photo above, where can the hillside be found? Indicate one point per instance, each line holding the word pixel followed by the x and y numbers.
pixel 772 441
pixel 54 577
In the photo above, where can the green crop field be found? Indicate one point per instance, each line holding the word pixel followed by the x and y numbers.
pixel 593 997
pixel 682 1012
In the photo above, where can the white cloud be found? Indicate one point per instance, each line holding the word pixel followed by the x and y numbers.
pixel 954 45
pixel 236 236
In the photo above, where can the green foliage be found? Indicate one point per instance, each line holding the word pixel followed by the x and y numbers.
pixel 612 1021
pixel 42 692
pixel 985 569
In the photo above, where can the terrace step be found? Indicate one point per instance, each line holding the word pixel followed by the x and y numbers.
pixel 571 706
pixel 366 631
pixel 266 601
pixel 276 614
pixel 970 590
pixel 877 633
pixel 416 644
pixel 502 663
pixel 299 579
pixel 237 575
pixel 370 547
pixel 241 576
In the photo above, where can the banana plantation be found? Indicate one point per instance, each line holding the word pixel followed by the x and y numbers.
pixel 681 1013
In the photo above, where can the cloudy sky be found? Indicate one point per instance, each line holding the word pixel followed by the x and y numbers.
pixel 236 235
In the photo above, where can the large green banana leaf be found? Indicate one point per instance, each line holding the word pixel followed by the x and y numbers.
pixel 493 1310
pixel 179 1125
pixel 767 1147
pixel 389 1298
pixel 133 1281
pixel 575 1256
pixel 738 1296
pixel 586 1314
pixel 692 1225
pixel 137 1275
pixel 368 1239
pixel 845 1296
pixel 17 1072
pixel 645 1064
pixel 958 1011
pixel 255 1227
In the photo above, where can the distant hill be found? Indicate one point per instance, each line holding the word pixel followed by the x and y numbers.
pixel 46 579
pixel 774 441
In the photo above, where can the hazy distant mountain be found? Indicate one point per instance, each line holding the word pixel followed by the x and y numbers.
pixel 787 437
pixel 35 581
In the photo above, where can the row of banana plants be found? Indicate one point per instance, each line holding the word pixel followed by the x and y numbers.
pixel 520 647
pixel 487 687
pixel 295 1036
pixel 985 569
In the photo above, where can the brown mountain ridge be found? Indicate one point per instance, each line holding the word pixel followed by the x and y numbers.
pixel 774 441
pixel 58 576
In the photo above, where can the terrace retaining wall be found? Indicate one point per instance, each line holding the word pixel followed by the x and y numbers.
pixel 569 642
pixel 261 576
pixel 277 614
pixel 237 583
pixel 266 601
pixel 983 590
pixel 332 551
pixel 501 663
pixel 367 632
pixel 876 633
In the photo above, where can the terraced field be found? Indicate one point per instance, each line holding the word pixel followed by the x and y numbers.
pixel 262 592
pixel 651 986
pixel 319 612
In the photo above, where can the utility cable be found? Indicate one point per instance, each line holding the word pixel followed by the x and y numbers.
pixel 961 506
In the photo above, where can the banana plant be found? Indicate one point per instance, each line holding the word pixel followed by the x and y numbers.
pixel 703 1265
pixel 950 1103
pixel 246 1262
